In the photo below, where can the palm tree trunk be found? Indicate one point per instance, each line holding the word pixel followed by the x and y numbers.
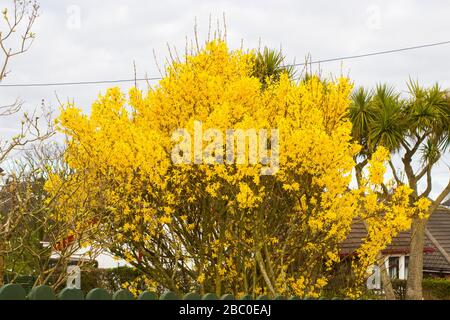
pixel 415 267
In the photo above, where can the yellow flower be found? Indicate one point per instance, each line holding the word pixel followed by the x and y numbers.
pixel 422 206
pixel 201 278
pixel 165 220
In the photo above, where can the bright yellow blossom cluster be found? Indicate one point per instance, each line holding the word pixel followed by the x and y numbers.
pixel 384 215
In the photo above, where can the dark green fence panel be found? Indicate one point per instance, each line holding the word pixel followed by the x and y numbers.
pixel 227 297
pixel 71 294
pixel 147 295
pixel 169 296
pixel 209 296
pixel 123 294
pixel 26 282
pixel 42 292
pixel 12 292
pixel 98 294
pixel 192 296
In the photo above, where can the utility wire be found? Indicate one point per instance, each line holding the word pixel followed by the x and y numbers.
pixel 291 65
pixel 370 54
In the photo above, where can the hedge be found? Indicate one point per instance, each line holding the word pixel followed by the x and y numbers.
pixel 109 279
pixel 436 288
pixel 433 288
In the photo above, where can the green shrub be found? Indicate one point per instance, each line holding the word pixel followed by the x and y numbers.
pixel 399 287
pixel 433 288
pixel 436 288
pixel 109 279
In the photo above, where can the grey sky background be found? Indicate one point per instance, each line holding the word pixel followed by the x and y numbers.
pixel 89 40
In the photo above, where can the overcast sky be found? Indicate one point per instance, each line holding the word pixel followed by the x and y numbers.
pixel 90 40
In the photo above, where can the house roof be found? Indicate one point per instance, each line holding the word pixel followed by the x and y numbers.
pixel 446 203
pixel 399 245
pixel 439 232
pixel 437 241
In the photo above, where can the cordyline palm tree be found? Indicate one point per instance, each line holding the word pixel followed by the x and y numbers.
pixel 417 129
pixel 376 120
pixel 269 65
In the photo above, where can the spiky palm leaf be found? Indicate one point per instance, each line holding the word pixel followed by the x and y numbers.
pixel 428 112
pixel 430 153
pixel 269 64
pixel 362 114
pixel 388 125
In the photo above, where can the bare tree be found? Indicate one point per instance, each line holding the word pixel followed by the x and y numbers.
pixel 36 240
pixel 16 38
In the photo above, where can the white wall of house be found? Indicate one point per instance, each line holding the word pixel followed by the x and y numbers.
pixel 104 259
pixel 398 270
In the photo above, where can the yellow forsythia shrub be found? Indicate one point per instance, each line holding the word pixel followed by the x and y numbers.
pixel 224 227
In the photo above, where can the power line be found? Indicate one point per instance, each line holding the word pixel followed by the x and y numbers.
pixel 50 84
pixel 371 54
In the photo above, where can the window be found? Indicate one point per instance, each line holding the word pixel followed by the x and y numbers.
pixel 394 267
pixel 406 266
